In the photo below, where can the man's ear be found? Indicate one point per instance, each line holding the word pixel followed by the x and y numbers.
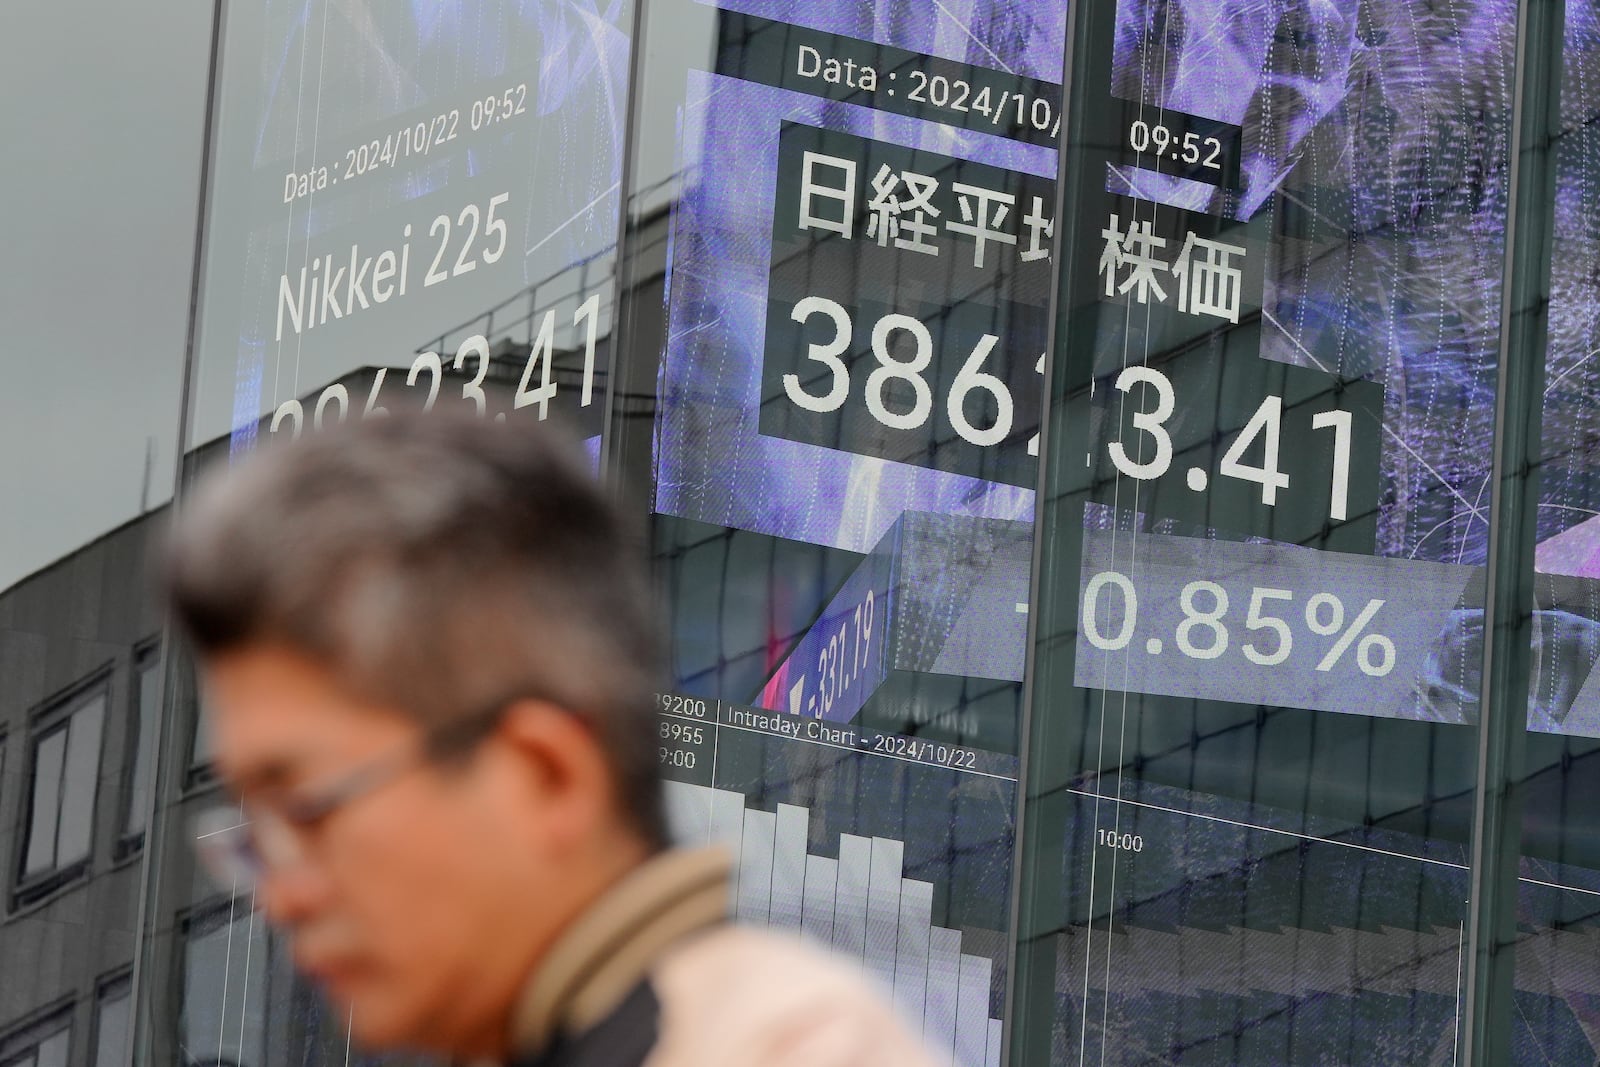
pixel 557 758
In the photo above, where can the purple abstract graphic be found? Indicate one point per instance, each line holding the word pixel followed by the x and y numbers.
pixel 1570 501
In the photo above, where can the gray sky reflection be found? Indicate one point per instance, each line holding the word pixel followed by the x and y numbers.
pixel 103 107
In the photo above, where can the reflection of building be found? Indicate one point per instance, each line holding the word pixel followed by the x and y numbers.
pixel 80 647
pixel 81 737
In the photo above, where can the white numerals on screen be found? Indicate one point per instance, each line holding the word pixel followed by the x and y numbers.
pixel 891 369
pixel 541 357
pixel 1151 423
pixel 970 378
pixel 477 346
pixel 1257 619
pixel 672 704
pixel 1110 622
pixel 1091 611
pixel 333 393
pixel 678 758
pixel 1340 421
pixel 1266 423
pixel 373 409
pixel 475 222
pixel 1208 620
pixel 841 659
pixel 902 351
pixel 427 361
pixel 289 411
pixel 294 413
pixel 1124 842
pixel 682 733
pixel 473 360
pixel 826 354
pixel 588 313
pixel 1150 455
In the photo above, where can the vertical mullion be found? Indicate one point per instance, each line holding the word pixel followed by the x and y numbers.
pixel 619 364
pixel 146 1042
pixel 1030 1005
pixel 61 790
pixel 1509 604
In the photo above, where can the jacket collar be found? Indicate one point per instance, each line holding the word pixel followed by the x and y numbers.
pixel 612 946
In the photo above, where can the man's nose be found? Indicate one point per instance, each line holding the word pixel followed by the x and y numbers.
pixel 290 894
pixel 290 888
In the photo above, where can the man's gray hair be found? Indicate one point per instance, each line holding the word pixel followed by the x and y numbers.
pixel 440 564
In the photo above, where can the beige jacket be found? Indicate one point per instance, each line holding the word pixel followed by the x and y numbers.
pixel 654 974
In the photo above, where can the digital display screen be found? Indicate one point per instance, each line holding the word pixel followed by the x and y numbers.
pixel 413 206
pixel 843 443
pixel 1560 866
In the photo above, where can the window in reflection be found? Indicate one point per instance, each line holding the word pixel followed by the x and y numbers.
pixel 225 989
pixel 112 1016
pixel 60 813
pixel 198 774
pixel 41 1044
pixel 145 714
pixel 203 750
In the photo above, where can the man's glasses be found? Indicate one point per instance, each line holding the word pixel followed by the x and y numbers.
pixel 238 843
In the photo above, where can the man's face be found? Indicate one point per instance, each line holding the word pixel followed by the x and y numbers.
pixel 416 904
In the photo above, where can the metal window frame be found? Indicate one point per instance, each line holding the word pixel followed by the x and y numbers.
pixel 146 658
pixel 53 716
pixel 107 986
pixel 27 1034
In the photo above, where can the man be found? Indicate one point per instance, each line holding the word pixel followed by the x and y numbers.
pixel 429 652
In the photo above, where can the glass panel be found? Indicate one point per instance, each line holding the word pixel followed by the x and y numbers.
pixel 226 997
pixel 48 757
pixel 1253 748
pixel 832 393
pixel 147 709
pixel 80 779
pixel 411 206
pixel 1557 903
pixel 111 1030
pixel 53 1050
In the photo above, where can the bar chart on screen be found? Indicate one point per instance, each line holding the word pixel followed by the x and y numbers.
pixel 858 904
